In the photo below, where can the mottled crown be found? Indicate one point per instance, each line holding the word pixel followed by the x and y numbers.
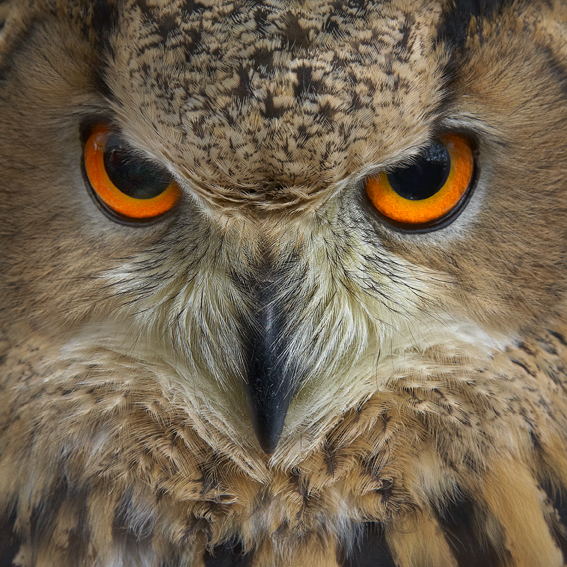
pixel 269 100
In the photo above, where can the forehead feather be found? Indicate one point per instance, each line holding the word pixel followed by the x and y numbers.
pixel 275 97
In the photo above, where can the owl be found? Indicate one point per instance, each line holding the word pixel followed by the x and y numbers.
pixel 283 283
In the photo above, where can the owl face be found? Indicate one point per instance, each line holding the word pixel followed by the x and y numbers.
pixel 274 314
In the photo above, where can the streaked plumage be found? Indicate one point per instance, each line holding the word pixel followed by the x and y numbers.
pixel 146 371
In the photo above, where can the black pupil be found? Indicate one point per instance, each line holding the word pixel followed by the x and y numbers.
pixel 132 175
pixel 425 176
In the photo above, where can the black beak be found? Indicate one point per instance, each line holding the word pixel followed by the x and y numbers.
pixel 271 384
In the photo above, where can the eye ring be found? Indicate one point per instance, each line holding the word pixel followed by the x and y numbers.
pixel 152 202
pixel 437 208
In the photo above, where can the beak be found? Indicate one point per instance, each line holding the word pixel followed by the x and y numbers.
pixel 271 383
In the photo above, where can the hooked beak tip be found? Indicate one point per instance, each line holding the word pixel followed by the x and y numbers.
pixel 268 420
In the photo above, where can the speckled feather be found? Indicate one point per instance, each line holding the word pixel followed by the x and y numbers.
pixel 429 423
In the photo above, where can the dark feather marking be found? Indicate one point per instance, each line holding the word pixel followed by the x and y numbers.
pixel 43 520
pixel 453 29
pixel 559 503
pixel 228 555
pixel 9 543
pixel 104 17
pixel 43 516
pixel 371 549
pixel 304 80
pixel 167 26
pixel 557 68
pixel 295 34
pixel 358 5
pixel 243 90
pixel 264 57
pixel 559 337
pixel 194 6
pixel 102 86
pixel 193 39
pixel 331 25
pixel 525 367
pixel 458 522
pixel 261 18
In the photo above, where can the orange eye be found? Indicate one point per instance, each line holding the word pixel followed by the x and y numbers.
pixel 127 185
pixel 428 189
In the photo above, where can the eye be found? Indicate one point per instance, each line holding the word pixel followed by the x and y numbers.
pixel 429 192
pixel 127 185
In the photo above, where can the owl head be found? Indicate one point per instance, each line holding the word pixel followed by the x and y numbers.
pixel 250 242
